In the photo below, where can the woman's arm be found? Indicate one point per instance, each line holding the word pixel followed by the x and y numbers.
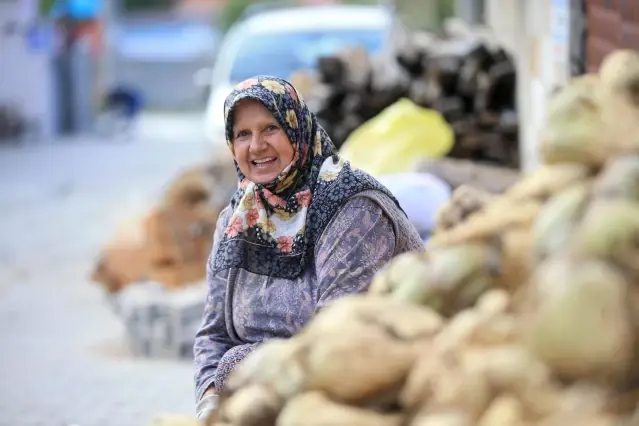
pixel 356 244
pixel 229 361
pixel 212 340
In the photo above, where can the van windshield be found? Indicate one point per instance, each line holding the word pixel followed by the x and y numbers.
pixel 281 54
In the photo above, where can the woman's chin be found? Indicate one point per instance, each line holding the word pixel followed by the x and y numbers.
pixel 264 176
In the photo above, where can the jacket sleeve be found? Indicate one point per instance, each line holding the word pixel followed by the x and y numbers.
pixel 356 244
pixel 229 361
pixel 212 340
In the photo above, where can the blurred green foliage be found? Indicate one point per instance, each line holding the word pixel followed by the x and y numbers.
pixel 425 14
pixel 144 5
pixel 234 9
pixel 418 14
pixel 447 9
pixel 44 6
pixel 231 13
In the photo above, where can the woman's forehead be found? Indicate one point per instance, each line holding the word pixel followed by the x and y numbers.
pixel 251 109
pixel 250 103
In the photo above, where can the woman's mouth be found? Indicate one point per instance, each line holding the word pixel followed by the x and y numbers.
pixel 264 162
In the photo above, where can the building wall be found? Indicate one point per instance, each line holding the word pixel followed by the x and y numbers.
pixel 26 78
pixel 610 25
pixel 538 33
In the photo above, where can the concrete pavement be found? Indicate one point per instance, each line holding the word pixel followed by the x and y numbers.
pixel 62 360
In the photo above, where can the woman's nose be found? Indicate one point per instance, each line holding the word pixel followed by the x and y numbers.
pixel 258 143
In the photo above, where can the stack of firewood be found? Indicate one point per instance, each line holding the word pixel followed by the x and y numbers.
pixel 464 76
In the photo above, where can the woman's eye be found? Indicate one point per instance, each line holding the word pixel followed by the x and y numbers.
pixel 241 134
pixel 271 128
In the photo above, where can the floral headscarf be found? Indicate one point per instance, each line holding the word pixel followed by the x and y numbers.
pixel 274 226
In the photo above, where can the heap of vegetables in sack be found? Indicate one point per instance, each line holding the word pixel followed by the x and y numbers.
pixel 523 311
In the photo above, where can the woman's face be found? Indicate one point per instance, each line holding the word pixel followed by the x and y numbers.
pixel 260 145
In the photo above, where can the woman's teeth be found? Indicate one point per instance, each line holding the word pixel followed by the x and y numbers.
pixel 263 162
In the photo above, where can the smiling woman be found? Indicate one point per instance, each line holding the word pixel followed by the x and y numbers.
pixel 304 228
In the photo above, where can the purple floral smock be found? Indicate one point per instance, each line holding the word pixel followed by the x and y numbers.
pixel 244 309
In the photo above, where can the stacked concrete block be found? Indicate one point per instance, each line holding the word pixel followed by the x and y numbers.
pixel 160 322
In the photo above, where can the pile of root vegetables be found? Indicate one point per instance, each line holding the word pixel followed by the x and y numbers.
pixel 524 311
pixel 465 77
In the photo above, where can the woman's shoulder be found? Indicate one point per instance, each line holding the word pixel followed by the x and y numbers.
pixel 375 201
pixel 371 201
pixel 362 211
pixel 391 215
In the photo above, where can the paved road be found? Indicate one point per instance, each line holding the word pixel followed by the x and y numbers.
pixel 62 360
